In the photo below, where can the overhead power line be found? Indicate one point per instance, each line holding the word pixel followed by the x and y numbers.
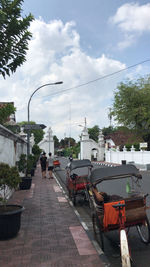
pixel 100 78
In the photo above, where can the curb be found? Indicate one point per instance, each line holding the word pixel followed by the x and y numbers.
pixel 101 254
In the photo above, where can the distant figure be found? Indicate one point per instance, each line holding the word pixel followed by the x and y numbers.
pixel 43 162
pixel 70 158
pixel 50 166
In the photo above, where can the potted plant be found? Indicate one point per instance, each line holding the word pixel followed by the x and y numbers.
pixel 10 215
pixel 31 165
pixel 26 179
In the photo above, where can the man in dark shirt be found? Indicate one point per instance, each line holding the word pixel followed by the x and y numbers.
pixel 43 162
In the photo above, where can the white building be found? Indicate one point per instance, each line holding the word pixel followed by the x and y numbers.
pixel 89 149
pixel 47 144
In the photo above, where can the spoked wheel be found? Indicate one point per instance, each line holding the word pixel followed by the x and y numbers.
pixel 144 231
pixel 88 197
pixel 97 230
pixel 125 255
pixel 72 196
pixel 69 193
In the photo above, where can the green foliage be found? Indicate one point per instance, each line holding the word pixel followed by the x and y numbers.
pixel 108 130
pixel 5 112
pixel 56 141
pixel 22 163
pixel 13 128
pixel 136 146
pixel 25 165
pixel 30 163
pixel 74 150
pixel 38 134
pixel 64 143
pixel 9 178
pixel 14 36
pixel 36 150
pixel 131 106
pixel 94 132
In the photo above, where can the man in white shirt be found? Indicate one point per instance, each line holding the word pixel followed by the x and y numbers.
pixel 50 166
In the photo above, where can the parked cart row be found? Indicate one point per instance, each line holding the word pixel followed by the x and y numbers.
pixel 110 212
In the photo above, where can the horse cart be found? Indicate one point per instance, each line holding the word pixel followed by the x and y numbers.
pixel 77 178
pixel 114 212
pixel 56 163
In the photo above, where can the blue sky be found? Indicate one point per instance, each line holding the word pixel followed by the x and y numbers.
pixel 78 41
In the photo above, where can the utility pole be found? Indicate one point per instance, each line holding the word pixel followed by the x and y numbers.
pixel 110 116
pixel 69 125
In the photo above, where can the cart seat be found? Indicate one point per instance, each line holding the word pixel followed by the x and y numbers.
pixel 111 215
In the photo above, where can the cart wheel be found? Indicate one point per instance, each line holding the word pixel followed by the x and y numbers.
pixel 97 230
pixel 88 198
pixel 125 255
pixel 90 202
pixel 144 231
pixel 72 196
pixel 69 193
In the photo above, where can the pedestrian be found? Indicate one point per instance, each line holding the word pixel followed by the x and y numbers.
pixel 50 165
pixel 71 158
pixel 43 162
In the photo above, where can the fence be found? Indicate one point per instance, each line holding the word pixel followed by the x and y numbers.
pixel 138 157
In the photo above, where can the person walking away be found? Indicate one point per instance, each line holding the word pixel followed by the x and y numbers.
pixel 71 158
pixel 43 162
pixel 50 166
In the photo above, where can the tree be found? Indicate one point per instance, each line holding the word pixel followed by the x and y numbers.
pixel 131 106
pixel 36 150
pixel 94 133
pixel 56 141
pixel 67 141
pixel 107 130
pixel 14 36
pixel 38 134
pixel 5 111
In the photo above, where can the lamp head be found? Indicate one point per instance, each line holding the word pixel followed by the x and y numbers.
pixel 59 82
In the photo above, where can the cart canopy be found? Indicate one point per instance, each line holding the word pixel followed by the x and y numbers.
pixel 109 173
pixel 80 164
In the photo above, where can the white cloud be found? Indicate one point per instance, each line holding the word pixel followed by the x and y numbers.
pixel 133 17
pixel 133 20
pixel 54 55
pixel 129 39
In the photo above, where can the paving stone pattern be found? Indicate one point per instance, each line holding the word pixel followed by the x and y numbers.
pixel 45 239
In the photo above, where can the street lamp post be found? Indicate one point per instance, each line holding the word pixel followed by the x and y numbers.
pixel 80 139
pixel 28 133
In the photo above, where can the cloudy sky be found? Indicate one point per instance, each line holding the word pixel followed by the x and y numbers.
pixel 78 42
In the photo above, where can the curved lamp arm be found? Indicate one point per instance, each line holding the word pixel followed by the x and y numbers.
pixel 28 133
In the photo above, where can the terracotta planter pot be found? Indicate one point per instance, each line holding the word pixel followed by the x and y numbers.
pixel 10 221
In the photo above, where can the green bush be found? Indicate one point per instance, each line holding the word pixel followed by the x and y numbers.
pixel 36 150
pixel 22 163
pixel 136 146
pixel 26 165
pixel 9 179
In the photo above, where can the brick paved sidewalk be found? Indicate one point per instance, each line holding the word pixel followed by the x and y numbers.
pixel 50 234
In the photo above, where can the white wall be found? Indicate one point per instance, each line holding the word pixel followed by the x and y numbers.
pixel 11 146
pixel 86 147
pixel 47 146
pixel 139 157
